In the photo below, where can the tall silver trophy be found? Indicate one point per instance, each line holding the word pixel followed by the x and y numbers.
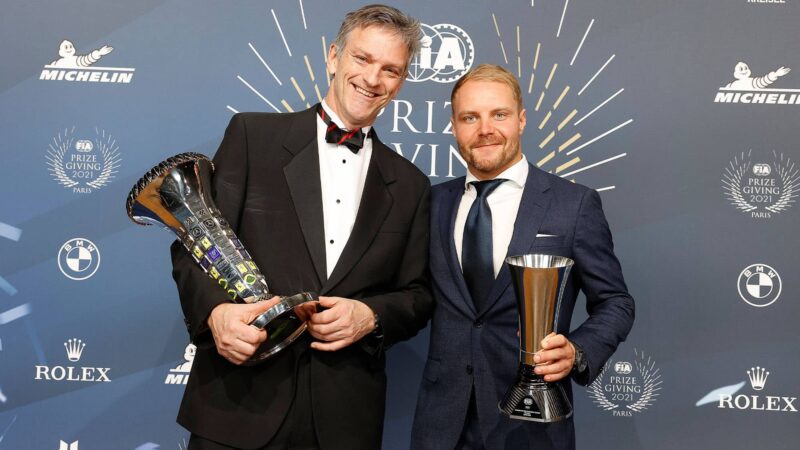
pixel 177 194
pixel 539 282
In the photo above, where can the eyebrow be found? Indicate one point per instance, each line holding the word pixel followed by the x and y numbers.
pixel 371 57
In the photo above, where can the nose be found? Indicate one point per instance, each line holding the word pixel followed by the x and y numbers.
pixel 372 74
pixel 485 128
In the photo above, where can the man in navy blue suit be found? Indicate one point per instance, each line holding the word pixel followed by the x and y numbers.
pixel 506 206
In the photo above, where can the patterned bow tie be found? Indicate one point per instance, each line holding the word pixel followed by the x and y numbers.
pixel 353 139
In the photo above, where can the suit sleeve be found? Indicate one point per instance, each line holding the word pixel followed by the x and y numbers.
pixel 407 309
pixel 610 306
pixel 198 293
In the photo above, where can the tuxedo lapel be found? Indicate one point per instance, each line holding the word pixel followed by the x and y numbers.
pixel 302 177
pixel 376 202
pixel 447 225
pixel 532 209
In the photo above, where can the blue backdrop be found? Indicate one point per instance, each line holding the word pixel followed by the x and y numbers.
pixel 681 113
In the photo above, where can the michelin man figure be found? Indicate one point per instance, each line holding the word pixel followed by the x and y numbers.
pixel 745 82
pixel 70 60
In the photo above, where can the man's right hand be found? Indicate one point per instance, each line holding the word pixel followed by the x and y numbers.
pixel 235 339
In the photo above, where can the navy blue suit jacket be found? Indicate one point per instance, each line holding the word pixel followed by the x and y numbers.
pixel 480 347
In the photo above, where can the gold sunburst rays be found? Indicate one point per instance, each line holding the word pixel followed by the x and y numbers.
pixel 300 85
pixel 559 129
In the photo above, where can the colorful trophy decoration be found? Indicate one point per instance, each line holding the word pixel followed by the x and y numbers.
pixel 177 194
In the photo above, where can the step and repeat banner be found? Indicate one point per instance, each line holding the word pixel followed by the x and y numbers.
pixel 683 114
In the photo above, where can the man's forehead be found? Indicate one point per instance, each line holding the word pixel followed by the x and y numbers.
pixel 480 87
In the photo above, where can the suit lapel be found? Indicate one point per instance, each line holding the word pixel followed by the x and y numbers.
pixel 447 225
pixel 532 209
pixel 302 177
pixel 376 202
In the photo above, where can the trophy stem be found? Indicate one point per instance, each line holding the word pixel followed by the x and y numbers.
pixel 532 398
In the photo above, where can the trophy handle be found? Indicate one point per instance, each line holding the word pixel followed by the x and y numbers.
pixel 286 305
pixel 281 324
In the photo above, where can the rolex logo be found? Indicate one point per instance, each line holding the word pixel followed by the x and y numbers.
pixel 74 349
pixel 758 377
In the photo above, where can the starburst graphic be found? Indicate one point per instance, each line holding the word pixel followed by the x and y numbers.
pixel 562 144
pixel 559 136
pixel 306 89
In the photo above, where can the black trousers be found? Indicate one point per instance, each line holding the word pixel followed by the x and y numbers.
pixel 297 430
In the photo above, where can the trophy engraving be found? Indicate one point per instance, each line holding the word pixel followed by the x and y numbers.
pixel 176 194
pixel 539 282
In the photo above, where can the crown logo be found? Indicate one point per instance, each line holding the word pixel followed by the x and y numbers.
pixel 758 377
pixel 74 348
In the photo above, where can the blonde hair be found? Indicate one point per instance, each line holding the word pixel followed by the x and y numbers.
pixel 490 72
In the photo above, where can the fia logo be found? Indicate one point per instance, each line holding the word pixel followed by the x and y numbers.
pixel 82 164
pixel 759 285
pixel 745 88
pixel 757 376
pixel 67 446
pixel 71 66
pixel 74 348
pixel 180 374
pixel 446 53
pixel 761 187
pixel 78 259
pixel 632 385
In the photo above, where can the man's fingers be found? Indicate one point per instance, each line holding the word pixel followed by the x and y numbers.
pixel 330 346
pixel 328 302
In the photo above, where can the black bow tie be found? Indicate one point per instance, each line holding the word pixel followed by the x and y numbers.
pixel 353 139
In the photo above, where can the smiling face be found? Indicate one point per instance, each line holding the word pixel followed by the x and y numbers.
pixel 741 71
pixel 66 49
pixel 368 72
pixel 487 125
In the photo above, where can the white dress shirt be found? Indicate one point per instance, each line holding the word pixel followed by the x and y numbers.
pixel 342 174
pixel 504 204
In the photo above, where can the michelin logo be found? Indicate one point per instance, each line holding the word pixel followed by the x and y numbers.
pixel 80 68
pixel 180 374
pixel 748 89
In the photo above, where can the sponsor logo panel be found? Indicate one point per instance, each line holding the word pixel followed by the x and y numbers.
pixel 626 387
pixel 81 68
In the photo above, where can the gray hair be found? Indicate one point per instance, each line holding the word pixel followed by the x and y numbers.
pixel 406 27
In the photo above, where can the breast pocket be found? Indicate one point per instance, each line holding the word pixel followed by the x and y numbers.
pixel 549 241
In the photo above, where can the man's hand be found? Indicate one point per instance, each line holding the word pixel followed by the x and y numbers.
pixel 343 323
pixel 235 339
pixel 556 358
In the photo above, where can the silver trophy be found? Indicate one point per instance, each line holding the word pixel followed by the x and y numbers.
pixel 177 194
pixel 539 282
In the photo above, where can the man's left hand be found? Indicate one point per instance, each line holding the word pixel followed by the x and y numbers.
pixel 343 323
pixel 556 358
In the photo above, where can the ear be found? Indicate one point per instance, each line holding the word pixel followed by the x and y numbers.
pixel 330 62
pixel 523 119
pixel 453 126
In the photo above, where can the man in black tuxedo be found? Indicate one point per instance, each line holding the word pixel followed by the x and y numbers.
pixel 322 205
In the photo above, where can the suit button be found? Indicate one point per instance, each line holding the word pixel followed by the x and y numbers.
pixel 469 369
pixel 477 324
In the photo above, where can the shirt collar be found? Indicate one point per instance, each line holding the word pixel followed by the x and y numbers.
pixel 335 119
pixel 517 174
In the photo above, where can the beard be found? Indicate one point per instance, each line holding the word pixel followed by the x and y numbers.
pixel 493 161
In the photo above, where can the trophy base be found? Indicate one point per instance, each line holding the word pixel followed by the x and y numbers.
pixel 282 325
pixel 531 398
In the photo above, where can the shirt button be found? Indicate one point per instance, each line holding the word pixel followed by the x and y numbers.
pixel 338 201
pixel 331 241
pixel 344 161
pixel 469 369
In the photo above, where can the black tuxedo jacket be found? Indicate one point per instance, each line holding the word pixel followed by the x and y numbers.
pixel 267 185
